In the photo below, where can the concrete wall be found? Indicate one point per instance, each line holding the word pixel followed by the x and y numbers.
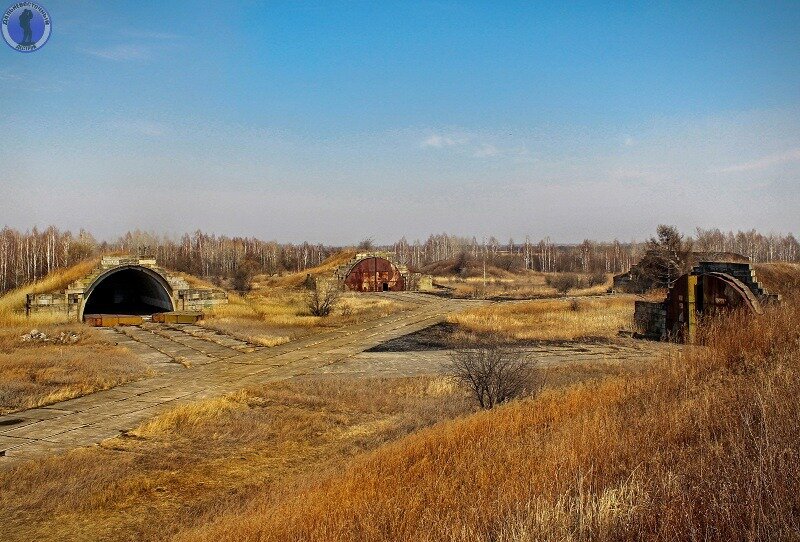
pixel 650 318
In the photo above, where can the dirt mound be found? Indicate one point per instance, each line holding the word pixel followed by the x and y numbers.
pixel 779 277
pixel 471 267
pixel 326 268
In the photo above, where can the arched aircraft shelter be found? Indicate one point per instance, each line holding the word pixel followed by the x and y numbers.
pixel 131 289
pixel 374 274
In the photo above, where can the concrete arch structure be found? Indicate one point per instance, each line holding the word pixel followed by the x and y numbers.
pixel 121 281
pixel 127 289
pixel 710 289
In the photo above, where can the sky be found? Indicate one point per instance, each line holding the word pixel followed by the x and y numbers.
pixel 338 121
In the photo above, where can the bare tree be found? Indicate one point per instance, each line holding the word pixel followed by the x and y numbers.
pixel 493 373
pixel 322 297
pixel 366 245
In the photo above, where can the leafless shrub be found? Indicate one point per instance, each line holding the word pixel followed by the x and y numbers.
pixel 322 298
pixel 494 374
pixel 563 282
pixel 596 279
pixel 243 276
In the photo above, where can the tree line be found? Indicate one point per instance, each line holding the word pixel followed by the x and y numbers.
pixel 589 256
pixel 28 256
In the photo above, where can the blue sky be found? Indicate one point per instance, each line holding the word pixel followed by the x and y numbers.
pixel 334 121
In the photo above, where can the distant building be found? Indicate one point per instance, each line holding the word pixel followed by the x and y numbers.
pixel 379 272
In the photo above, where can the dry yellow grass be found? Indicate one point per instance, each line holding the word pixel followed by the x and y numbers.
pixel 34 374
pixel 325 269
pixel 779 277
pixel 550 320
pixel 272 315
pixel 225 455
pixel 192 463
pixel 12 304
pixel 521 285
pixel 704 446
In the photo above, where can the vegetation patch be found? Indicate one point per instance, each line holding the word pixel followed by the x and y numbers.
pixel 550 320
pixel 55 363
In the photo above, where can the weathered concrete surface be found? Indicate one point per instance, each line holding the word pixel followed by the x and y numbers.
pixel 211 368
pixel 397 364
pixel 195 363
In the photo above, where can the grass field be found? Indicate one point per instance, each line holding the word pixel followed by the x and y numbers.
pixel 699 445
pixel 187 466
pixel 12 304
pixel 550 320
pixel 704 446
pixel 519 285
pixel 39 373
pixel 273 314
pixel 227 455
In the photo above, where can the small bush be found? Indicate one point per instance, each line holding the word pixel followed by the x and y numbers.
pixel 323 298
pixel 596 279
pixel 494 374
pixel 563 282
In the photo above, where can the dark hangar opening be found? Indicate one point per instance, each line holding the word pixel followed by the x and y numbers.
pixel 128 291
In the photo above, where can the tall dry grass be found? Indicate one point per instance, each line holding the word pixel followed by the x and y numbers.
pixel 12 303
pixel 519 285
pixel 34 374
pixel 272 314
pixel 703 447
pixel 192 463
pixel 550 320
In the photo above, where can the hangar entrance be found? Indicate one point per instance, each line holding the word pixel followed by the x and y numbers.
pixel 374 274
pixel 131 290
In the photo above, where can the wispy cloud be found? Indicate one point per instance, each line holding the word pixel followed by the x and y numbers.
pixel 119 53
pixel 31 82
pixel 6 75
pixel 519 154
pixel 439 141
pixel 486 150
pixel 476 145
pixel 765 162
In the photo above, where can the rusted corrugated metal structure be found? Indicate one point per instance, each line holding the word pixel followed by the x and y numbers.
pixel 710 289
pixel 374 274
pixel 379 272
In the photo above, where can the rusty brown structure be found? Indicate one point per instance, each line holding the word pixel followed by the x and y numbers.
pixel 379 272
pixel 374 274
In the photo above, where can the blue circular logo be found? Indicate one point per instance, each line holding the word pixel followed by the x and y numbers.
pixel 26 26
